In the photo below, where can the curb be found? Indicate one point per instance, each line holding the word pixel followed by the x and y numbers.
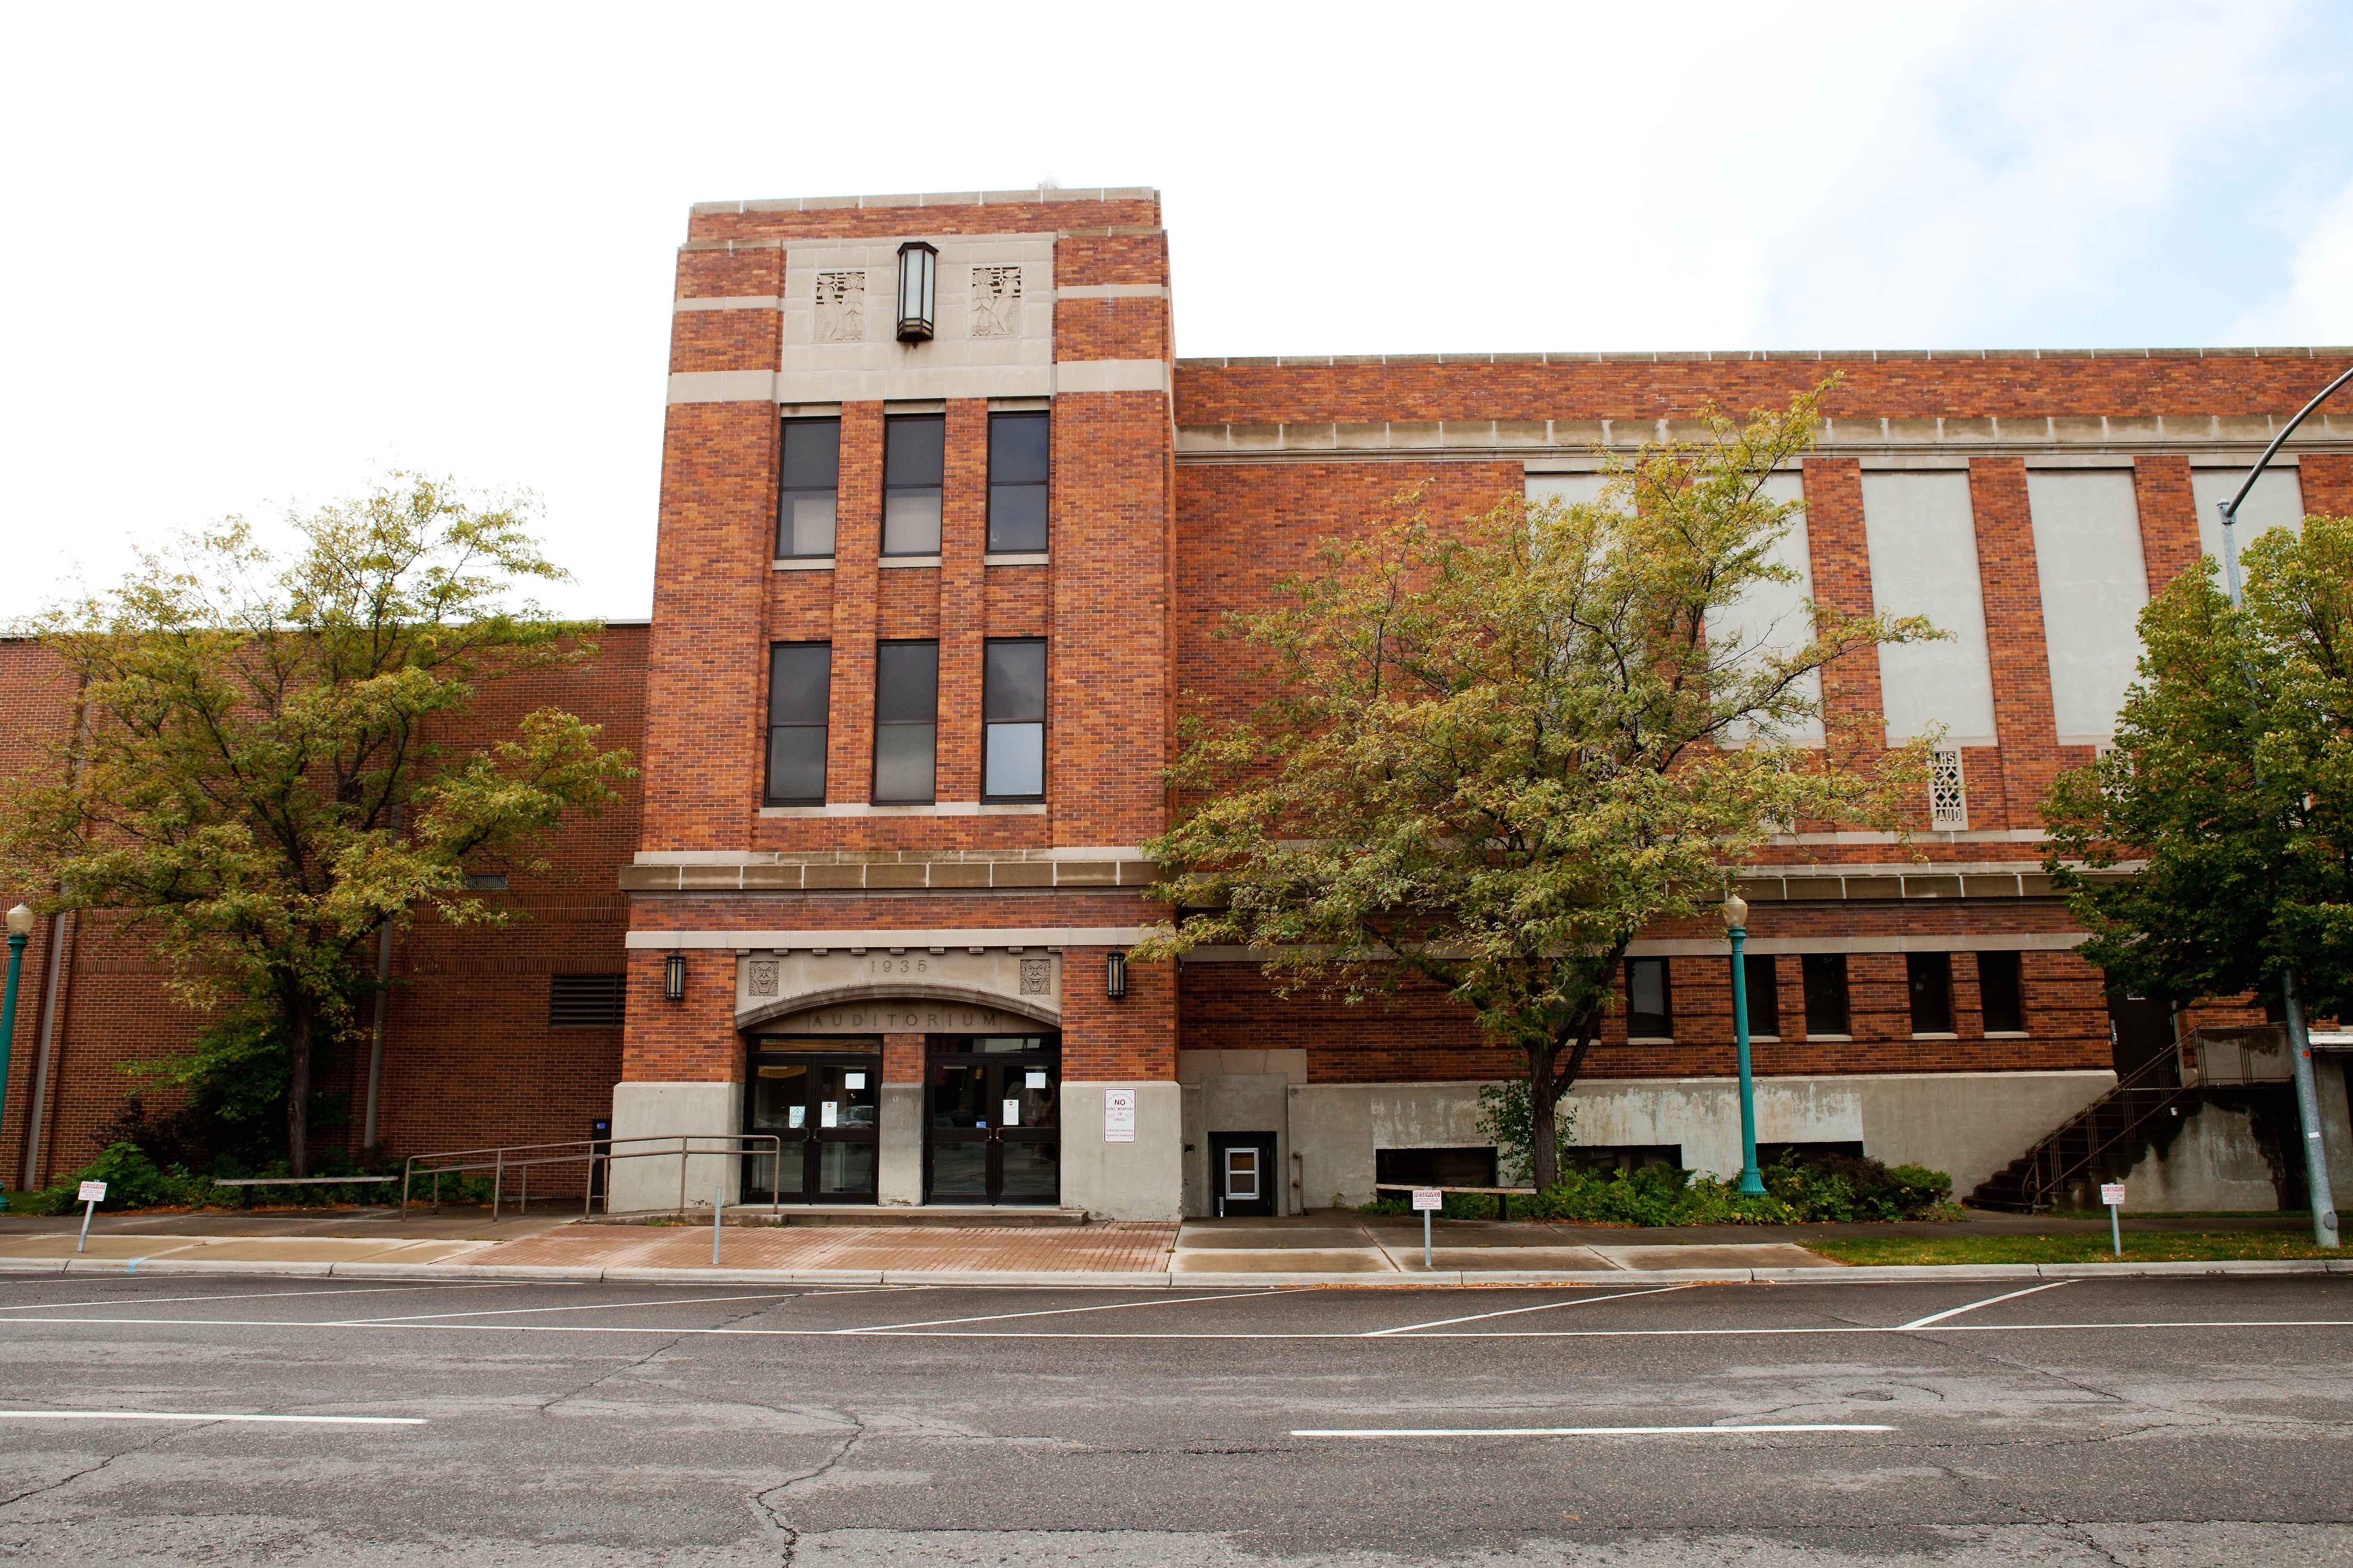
pixel 556 1274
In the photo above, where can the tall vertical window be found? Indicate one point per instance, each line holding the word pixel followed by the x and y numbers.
pixel 1650 1006
pixel 1017 482
pixel 1930 977
pixel 810 488
pixel 1013 714
pixel 1825 977
pixel 800 682
pixel 1758 976
pixel 2001 993
pixel 906 722
pixel 914 457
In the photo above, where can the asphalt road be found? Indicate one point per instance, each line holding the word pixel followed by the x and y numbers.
pixel 2150 1423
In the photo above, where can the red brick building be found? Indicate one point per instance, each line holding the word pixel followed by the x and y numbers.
pixel 945 531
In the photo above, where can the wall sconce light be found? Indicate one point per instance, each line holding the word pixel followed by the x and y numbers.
pixel 1115 976
pixel 674 978
pixel 919 267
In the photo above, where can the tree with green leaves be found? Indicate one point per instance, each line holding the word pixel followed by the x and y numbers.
pixel 268 766
pixel 2228 797
pixel 1496 750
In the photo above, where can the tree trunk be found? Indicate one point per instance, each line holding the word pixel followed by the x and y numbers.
pixel 297 1088
pixel 1543 1104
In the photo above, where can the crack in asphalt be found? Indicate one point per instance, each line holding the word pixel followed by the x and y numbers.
pixel 547 1405
pixel 772 1515
pixel 163 1436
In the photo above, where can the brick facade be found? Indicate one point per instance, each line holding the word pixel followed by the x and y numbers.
pixel 1182 491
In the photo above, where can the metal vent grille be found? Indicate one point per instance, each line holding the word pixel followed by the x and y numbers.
pixel 587 1001
pixel 1948 792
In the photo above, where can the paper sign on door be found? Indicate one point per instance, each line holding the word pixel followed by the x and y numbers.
pixel 853 1080
pixel 1037 1077
pixel 1012 1114
pixel 1119 1116
pixel 797 1116
pixel 828 1113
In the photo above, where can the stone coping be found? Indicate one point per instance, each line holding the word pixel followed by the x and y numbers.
pixel 1741 356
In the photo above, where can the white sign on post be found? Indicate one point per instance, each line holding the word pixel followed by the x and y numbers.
pixel 92 1193
pixel 2112 1192
pixel 1428 1198
pixel 1119 1116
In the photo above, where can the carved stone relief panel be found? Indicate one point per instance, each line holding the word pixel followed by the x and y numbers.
pixel 995 303
pixel 841 307
pixel 1030 981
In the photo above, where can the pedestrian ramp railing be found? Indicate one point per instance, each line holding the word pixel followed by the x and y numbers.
pixel 519 1160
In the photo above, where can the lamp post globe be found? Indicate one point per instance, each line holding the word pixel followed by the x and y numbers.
pixel 20 927
pixel 1736 921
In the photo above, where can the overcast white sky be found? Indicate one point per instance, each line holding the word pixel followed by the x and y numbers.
pixel 250 258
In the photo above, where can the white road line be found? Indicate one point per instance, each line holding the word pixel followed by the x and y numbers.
pixel 1054 1312
pixel 1033 1334
pixel 1577 1431
pixel 1973 1306
pixel 205 1415
pixel 1516 1311
pixel 591 1307
pixel 251 1296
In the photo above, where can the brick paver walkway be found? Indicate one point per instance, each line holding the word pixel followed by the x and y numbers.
pixel 1113 1248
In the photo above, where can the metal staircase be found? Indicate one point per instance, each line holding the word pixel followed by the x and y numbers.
pixel 2111 1130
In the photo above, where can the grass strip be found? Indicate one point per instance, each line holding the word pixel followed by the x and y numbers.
pixel 2082 1247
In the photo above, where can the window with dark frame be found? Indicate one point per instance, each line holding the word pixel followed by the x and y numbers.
pixel 587 1001
pixel 1758 976
pixel 1825 982
pixel 914 463
pixel 809 491
pixel 1649 1003
pixel 800 690
pixel 1930 977
pixel 906 723
pixel 1017 463
pixel 1013 720
pixel 2001 993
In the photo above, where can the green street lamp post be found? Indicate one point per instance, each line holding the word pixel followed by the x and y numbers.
pixel 20 927
pixel 1735 919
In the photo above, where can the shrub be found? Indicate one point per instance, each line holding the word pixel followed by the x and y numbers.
pixel 1798 1188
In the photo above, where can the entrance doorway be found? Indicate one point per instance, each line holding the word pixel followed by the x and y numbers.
pixel 992 1125
pixel 1242 1174
pixel 819 1094
pixel 2140 1028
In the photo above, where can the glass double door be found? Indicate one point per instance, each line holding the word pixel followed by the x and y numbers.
pixel 821 1105
pixel 992 1131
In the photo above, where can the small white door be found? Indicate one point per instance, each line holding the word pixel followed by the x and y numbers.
pixel 1243 1175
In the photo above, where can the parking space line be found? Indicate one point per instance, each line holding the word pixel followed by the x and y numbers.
pixel 1973 1306
pixel 2152 1325
pixel 589 1307
pixel 1055 1312
pixel 252 1296
pixel 208 1416
pixel 1516 1311
pixel 1584 1431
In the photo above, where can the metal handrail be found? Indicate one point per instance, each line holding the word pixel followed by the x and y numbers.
pixel 2150 1079
pixel 591 1149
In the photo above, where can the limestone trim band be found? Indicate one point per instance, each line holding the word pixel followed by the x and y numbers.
pixel 777 302
pixel 977 936
pixel 1082 375
pixel 1704 947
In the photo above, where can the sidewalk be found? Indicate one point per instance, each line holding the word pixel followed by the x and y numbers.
pixel 1326 1248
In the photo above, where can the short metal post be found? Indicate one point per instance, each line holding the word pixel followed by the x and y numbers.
pixel 1425 1240
pixel 498 1183
pixel 718 1217
pixel 89 1209
pixel 524 1208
